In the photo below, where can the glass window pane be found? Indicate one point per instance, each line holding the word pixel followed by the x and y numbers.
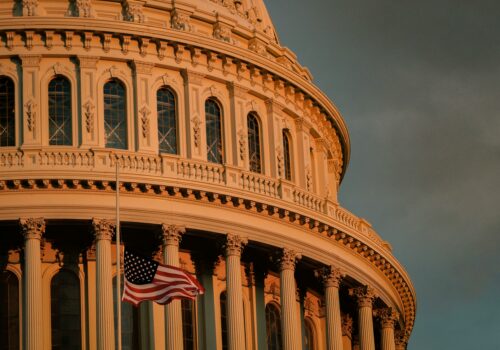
pixel 60 128
pixel 167 123
pixel 115 115
pixel 254 157
pixel 7 112
pixel 214 132
pixel 287 156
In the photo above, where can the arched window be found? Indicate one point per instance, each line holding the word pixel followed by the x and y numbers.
pixel 273 327
pixel 223 319
pixel 287 156
pixel 214 131
pixel 9 311
pixel 65 311
pixel 130 322
pixel 309 340
pixel 188 323
pixel 167 123
pixel 254 157
pixel 60 128
pixel 115 115
pixel 7 112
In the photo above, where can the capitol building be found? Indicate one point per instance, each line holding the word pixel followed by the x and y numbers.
pixel 230 160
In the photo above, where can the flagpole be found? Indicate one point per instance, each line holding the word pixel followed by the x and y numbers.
pixel 118 262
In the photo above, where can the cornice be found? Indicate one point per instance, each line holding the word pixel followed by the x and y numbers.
pixel 387 265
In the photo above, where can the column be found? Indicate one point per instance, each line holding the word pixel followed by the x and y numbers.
pixel 173 313
pixel 289 315
pixel 32 230
pixel 331 280
pixel 235 320
pixel 365 296
pixel 103 232
pixel 387 318
pixel 401 339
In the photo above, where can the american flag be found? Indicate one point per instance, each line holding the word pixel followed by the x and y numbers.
pixel 146 279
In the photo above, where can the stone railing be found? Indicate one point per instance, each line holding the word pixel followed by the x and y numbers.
pixel 13 158
pixel 66 158
pixel 346 217
pixel 201 171
pixel 308 200
pixel 260 184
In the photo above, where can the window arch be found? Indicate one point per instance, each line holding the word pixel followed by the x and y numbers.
pixel 167 121
pixel 115 115
pixel 130 322
pixel 273 327
pixel 188 331
pixel 213 131
pixel 65 311
pixel 60 128
pixel 7 112
pixel 287 155
pixel 309 335
pixel 223 319
pixel 9 311
pixel 254 147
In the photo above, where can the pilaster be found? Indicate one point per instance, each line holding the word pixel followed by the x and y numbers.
pixel 32 121
pixel 195 110
pixel 89 127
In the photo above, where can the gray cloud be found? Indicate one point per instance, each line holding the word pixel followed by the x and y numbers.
pixel 418 85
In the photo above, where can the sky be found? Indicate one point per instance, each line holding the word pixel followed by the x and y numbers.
pixel 418 84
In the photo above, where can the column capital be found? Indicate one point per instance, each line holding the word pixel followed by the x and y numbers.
pixel 288 259
pixel 103 229
pixel 347 325
pixel 332 276
pixel 172 234
pixel 364 295
pixel 387 317
pixel 234 244
pixel 32 228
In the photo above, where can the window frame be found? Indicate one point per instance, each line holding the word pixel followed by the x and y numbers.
pixel 221 131
pixel 288 168
pixel 71 108
pixel 176 118
pixel 15 115
pixel 127 110
pixel 259 140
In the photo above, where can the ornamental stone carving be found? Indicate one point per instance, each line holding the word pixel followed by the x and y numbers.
pixel 288 259
pixel 364 295
pixel 332 276
pixel 134 11
pixel 83 7
pixel 32 228
pixel 242 141
pixel 29 7
pixel 388 316
pixel 144 113
pixel 172 234
pixel 103 229
pixel 234 244
pixel 222 32
pixel 30 113
pixel 347 325
pixel 196 130
pixel 88 113
pixel 401 339
pixel 258 46
pixel 180 20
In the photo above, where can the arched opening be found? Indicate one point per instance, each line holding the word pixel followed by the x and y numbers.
pixel 167 120
pixel 254 147
pixel 65 311
pixel 115 115
pixel 273 327
pixel 60 120
pixel 7 112
pixel 9 311
pixel 213 120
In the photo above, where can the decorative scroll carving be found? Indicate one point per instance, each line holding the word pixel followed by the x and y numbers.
pixel 162 49
pixel 143 48
pixel 347 325
pixel 280 160
pixel 87 40
pixel 180 20
pixel 222 32
pixel 257 46
pixel 144 112
pixel 234 244
pixel 29 39
pixel 107 42
pixel 49 38
pixel 309 179
pixel 196 130
pixel 103 229
pixel 242 140
pixel 387 317
pixel 88 113
pixel 288 259
pixel 172 234
pixel 32 228
pixel 29 7
pixel 83 7
pixel 68 39
pixel 364 295
pixel 125 43
pixel 30 112
pixel 332 276
pixel 10 40
pixel 134 11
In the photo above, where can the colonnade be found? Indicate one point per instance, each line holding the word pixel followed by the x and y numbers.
pixel 34 228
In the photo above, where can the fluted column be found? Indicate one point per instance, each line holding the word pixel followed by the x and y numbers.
pixel 32 230
pixel 401 339
pixel 387 318
pixel 172 235
pixel 235 321
pixel 365 296
pixel 103 232
pixel 289 316
pixel 331 280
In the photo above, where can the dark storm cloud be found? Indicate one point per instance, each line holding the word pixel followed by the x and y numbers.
pixel 418 83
